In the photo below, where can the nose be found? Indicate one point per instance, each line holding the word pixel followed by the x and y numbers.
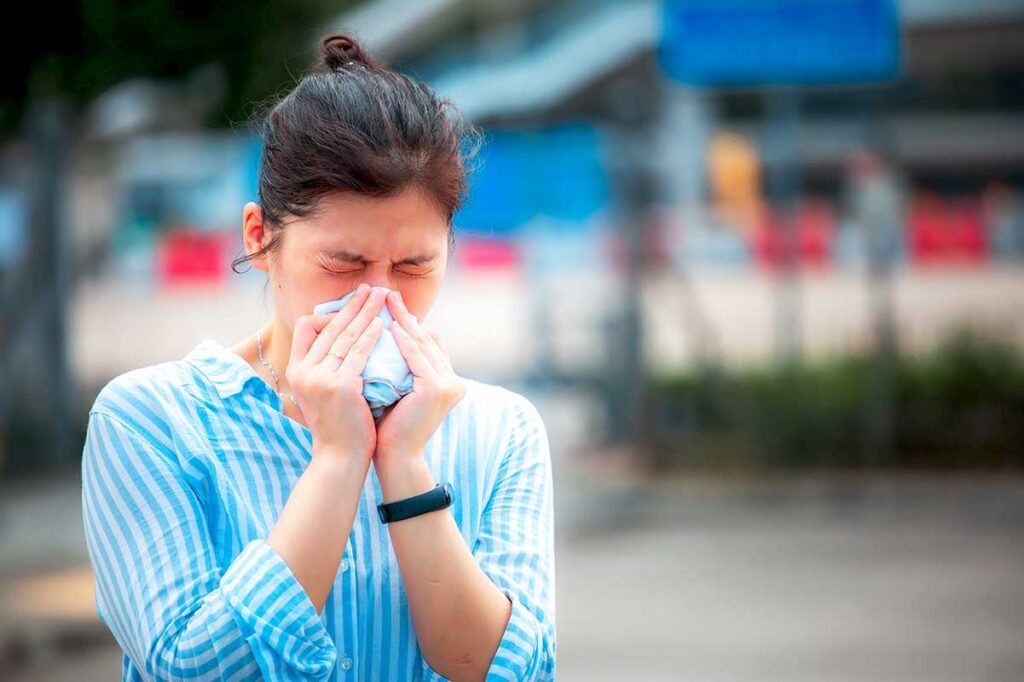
pixel 383 286
pixel 376 276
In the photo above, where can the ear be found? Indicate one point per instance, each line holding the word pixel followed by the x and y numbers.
pixel 254 236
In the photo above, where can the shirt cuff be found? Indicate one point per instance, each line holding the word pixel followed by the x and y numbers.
pixel 521 647
pixel 276 615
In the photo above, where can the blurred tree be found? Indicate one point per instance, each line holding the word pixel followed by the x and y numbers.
pixel 84 48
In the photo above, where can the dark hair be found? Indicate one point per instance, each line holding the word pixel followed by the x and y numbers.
pixel 354 125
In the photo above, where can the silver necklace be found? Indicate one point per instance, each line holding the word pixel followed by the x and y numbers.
pixel 277 382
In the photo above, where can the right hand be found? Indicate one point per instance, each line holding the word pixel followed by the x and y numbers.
pixel 329 389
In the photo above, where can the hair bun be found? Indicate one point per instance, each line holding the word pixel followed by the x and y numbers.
pixel 338 49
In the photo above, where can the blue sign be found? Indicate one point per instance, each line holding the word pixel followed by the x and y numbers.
pixel 556 172
pixel 780 42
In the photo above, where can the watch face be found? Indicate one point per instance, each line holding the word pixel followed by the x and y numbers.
pixel 448 492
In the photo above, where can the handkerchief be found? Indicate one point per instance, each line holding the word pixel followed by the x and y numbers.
pixel 386 377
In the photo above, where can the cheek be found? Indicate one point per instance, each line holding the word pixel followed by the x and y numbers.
pixel 303 288
pixel 326 286
pixel 419 296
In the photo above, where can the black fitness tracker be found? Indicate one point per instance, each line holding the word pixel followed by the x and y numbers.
pixel 438 497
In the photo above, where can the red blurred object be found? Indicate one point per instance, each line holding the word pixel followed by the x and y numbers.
pixel 967 232
pixel 813 237
pixel 766 240
pixel 188 256
pixel 927 229
pixel 816 228
pixel 943 232
pixel 477 253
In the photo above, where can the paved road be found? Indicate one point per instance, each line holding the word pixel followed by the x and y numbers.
pixel 917 586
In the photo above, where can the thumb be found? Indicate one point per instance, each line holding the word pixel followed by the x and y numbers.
pixel 303 335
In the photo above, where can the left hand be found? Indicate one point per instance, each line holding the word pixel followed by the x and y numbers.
pixel 404 429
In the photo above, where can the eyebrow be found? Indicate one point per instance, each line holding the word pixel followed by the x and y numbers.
pixel 347 256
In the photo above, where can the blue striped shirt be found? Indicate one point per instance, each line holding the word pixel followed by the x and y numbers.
pixel 186 467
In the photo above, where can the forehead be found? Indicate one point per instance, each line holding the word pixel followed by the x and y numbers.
pixel 403 225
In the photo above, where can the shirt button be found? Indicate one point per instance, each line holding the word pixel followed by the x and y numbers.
pixel 346 663
pixel 344 564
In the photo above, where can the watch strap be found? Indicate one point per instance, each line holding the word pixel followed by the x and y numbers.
pixel 438 497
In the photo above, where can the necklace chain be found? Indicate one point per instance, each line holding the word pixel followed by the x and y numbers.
pixel 277 381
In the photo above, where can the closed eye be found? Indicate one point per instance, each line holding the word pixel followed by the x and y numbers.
pixel 413 273
pixel 417 273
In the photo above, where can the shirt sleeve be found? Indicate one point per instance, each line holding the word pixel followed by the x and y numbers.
pixel 515 548
pixel 174 611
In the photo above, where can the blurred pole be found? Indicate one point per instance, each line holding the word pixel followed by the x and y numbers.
pixel 541 287
pixel 634 182
pixel 36 300
pixel 686 126
pixel 784 194
pixel 880 214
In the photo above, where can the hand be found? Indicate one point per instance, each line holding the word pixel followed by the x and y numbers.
pixel 403 431
pixel 329 389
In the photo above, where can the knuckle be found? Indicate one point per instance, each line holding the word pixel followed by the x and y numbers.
pixel 331 386
pixel 348 388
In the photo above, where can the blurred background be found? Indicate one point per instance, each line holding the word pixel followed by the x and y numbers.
pixel 759 263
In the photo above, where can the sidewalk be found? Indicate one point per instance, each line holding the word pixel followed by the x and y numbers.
pixel 46 584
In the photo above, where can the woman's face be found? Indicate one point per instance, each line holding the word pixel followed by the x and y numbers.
pixel 398 242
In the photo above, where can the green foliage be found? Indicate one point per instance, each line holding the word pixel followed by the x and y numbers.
pixel 960 406
pixel 263 47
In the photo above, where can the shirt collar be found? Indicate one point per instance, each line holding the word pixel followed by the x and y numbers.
pixel 226 370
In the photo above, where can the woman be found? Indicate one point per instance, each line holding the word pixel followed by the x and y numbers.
pixel 230 505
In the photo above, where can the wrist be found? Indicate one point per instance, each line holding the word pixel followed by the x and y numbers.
pixel 386 460
pixel 404 477
pixel 336 452
pixel 330 464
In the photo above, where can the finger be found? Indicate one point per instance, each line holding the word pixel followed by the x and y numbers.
pixel 418 362
pixel 338 319
pixel 442 349
pixel 415 330
pixel 355 358
pixel 347 338
pixel 352 305
pixel 430 349
pixel 350 321
pixel 303 336
pixel 302 341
